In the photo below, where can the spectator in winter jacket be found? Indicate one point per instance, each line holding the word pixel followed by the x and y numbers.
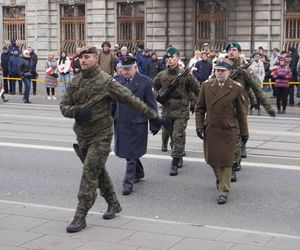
pixel 34 60
pixel 293 65
pixel 4 66
pixel 25 71
pixel 13 66
pixel 63 68
pixel 154 66
pixel 107 59
pixel 203 68
pixel 75 65
pixel 258 68
pixel 144 60
pixel 13 46
pixel 282 74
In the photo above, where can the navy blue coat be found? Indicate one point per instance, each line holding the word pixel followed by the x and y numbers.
pixel 130 128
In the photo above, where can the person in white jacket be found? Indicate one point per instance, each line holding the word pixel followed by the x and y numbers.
pixel 63 67
pixel 258 68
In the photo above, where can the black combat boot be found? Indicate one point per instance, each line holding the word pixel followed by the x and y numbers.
pixel 164 145
pixel 180 163
pixel 76 225
pixel 174 167
pixel 243 152
pixel 237 166
pixel 233 176
pixel 112 210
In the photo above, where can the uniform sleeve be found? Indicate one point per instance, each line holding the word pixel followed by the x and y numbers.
pixel 242 112
pixel 253 81
pixel 156 84
pixel 122 94
pixel 67 106
pixel 200 108
pixel 194 85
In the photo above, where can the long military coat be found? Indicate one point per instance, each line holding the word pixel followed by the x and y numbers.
pixel 130 128
pixel 219 110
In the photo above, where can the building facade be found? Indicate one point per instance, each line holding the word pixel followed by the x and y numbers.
pixel 55 25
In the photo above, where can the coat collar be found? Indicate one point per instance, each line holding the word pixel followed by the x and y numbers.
pixel 220 92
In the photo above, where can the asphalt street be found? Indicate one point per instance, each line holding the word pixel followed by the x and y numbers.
pixel 39 166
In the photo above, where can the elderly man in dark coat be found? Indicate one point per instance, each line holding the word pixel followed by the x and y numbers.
pixel 131 129
pixel 220 110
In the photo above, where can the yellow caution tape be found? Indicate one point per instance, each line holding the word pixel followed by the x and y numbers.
pixel 33 80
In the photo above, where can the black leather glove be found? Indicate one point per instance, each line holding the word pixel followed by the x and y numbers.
pixel 192 109
pixel 83 115
pixel 244 138
pixel 162 121
pixel 272 113
pixel 200 132
pixel 255 106
pixel 154 131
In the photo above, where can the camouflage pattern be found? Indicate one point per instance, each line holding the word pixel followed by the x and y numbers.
pixel 94 90
pixel 250 81
pixel 177 109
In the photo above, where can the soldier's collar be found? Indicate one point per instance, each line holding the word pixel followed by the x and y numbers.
pixel 90 73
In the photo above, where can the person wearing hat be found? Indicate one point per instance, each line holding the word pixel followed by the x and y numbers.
pixel 89 100
pixel 250 82
pixel 282 74
pixel 13 71
pixel 107 59
pixel 176 106
pixel 130 127
pixel 220 110
pixel 4 66
pixel 143 60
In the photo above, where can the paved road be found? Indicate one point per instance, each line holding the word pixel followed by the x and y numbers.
pixel 39 166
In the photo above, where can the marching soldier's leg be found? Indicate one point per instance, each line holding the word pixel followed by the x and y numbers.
pixel 224 184
pixel 178 137
pixel 165 139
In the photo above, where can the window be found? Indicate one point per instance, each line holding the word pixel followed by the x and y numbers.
pixel 292 24
pixel 210 24
pixel 14 25
pixel 72 27
pixel 130 27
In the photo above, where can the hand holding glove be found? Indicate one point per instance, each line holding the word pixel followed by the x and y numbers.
pixel 200 132
pixel 244 138
pixel 83 115
pixel 154 131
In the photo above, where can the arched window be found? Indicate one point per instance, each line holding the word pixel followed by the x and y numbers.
pixel 211 24
pixel 131 24
pixel 14 25
pixel 291 24
pixel 72 27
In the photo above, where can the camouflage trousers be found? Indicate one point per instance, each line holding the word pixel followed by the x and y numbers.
pixel 94 155
pixel 177 135
pixel 165 135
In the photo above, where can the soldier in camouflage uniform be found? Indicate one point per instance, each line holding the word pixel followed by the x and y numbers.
pixel 176 107
pixel 89 100
pixel 250 82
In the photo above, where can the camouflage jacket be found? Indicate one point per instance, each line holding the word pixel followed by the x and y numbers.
pixel 250 81
pixel 176 107
pixel 95 90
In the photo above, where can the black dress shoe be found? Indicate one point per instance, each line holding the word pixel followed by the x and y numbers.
pixel 222 199
pixel 77 224
pixel 27 101
pixel 112 210
pixel 233 176
pixel 127 191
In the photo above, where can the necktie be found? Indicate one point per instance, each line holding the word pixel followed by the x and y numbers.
pixel 127 81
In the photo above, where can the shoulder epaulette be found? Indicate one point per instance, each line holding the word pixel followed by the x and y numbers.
pixel 238 84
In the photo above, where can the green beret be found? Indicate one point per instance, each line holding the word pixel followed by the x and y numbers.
pixel 171 51
pixel 233 45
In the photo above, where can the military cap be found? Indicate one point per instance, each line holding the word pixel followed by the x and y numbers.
pixel 127 61
pixel 88 50
pixel 224 64
pixel 233 45
pixel 171 51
